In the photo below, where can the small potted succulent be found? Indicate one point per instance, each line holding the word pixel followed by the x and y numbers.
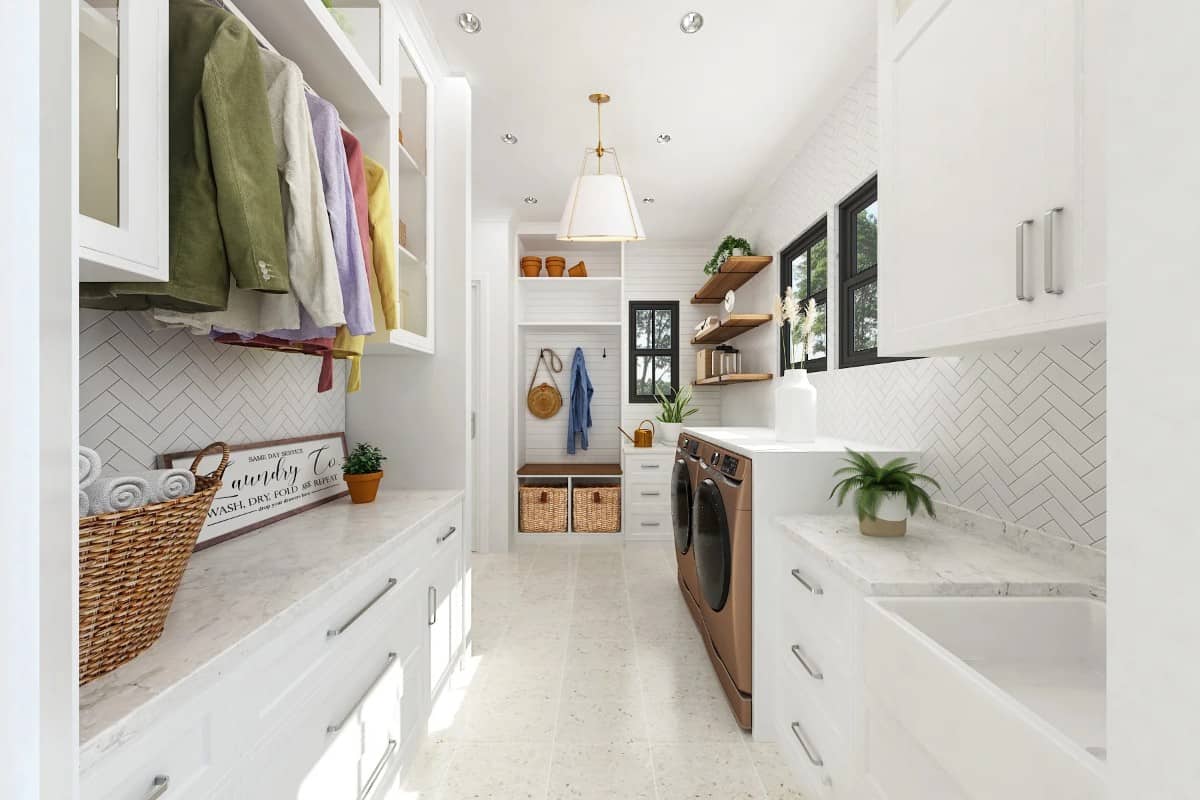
pixel 884 496
pixel 672 413
pixel 729 246
pixel 362 471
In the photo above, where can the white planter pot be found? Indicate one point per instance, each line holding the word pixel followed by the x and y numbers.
pixel 892 508
pixel 795 408
pixel 891 518
pixel 668 432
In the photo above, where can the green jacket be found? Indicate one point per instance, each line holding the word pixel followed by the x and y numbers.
pixel 225 212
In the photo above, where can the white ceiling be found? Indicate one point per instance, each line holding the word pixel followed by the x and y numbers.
pixel 734 97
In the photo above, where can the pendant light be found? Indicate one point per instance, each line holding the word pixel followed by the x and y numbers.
pixel 600 207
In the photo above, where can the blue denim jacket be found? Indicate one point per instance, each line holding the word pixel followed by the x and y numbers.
pixel 581 403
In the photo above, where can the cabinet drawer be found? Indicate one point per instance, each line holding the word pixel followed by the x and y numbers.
pixel 178 752
pixel 819 669
pixel 812 748
pixel 648 523
pixel 649 465
pixel 821 603
pixel 651 498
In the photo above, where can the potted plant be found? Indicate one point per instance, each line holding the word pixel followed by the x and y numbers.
pixel 729 246
pixel 362 471
pixel 884 496
pixel 672 413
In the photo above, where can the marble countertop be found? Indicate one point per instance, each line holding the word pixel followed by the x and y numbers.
pixel 936 558
pixel 658 448
pixel 751 441
pixel 234 594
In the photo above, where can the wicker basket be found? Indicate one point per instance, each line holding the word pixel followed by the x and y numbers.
pixel 543 509
pixel 597 509
pixel 130 565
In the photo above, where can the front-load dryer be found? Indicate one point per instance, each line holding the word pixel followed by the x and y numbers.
pixel 723 547
pixel 688 455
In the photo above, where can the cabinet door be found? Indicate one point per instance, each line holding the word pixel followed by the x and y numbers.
pixel 963 94
pixel 445 611
pixel 122 54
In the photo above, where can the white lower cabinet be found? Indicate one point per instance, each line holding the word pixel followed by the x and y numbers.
pixel 331 708
pixel 647 492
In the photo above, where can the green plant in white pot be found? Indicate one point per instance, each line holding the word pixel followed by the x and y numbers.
pixel 672 413
pixel 884 495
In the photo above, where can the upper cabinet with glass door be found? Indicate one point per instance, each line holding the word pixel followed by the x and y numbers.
pixel 122 62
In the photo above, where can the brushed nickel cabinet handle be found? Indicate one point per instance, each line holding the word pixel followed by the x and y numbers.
pixel 431 597
pixel 651 466
pixel 447 534
pixel 812 586
pixel 332 632
pixel 159 787
pixel 1021 226
pixel 650 524
pixel 391 658
pixel 809 750
pixel 651 494
pixel 813 673
pixel 379 768
pixel 1048 221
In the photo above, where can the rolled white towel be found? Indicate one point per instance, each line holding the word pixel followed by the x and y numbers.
pixel 84 503
pixel 109 493
pixel 168 484
pixel 89 466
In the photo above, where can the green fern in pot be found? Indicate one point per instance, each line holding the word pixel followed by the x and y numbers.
pixel 884 495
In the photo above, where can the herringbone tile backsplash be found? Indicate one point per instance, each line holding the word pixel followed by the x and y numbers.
pixel 144 391
pixel 1018 435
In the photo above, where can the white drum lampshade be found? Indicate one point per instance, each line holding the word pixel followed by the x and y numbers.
pixel 600 208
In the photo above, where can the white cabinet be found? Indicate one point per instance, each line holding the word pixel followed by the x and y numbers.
pixel 987 126
pixel 122 176
pixel 446 595
pixel 647 492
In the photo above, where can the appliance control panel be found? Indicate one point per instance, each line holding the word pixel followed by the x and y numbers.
pixel 729 465
pixel 693 448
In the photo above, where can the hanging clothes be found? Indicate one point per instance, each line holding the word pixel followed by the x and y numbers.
pixel 580 410
pixel 358 185
pixel 312 265
pixel 224 208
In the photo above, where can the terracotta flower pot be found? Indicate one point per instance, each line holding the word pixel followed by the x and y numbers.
pixel 363 488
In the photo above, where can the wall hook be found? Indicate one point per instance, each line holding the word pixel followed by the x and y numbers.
pixel 604 354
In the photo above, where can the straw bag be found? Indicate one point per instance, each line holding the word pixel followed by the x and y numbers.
pixel 130 565
pixel 544 400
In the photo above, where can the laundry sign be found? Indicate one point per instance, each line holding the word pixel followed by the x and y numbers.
pixel 268 481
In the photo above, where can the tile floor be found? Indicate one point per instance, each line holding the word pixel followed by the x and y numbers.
pixel 588 680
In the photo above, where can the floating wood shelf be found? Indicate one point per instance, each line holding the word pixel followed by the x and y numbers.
pixel 736 377
pixel 727 329
pixel 734 272
pixel 572 470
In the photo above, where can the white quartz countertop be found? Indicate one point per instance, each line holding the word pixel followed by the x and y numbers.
pixel 658 448
pixel 233 593
pixel 939 559
pixel 750 441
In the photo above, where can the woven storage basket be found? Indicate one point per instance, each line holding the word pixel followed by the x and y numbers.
pixel 130 565
pixel 596 509
pixel 543 509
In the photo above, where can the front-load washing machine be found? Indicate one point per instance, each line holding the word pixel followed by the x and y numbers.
pixel 723 548
pixel 688 456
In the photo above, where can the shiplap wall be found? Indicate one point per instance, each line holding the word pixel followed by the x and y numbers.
pixel 673 271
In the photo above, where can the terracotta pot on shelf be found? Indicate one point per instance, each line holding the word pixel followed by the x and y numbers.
pixel 363 487
pixel 531 266
pixel 555 266
pixel 578 271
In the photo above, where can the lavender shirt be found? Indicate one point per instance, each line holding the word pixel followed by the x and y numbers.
pixel 343 221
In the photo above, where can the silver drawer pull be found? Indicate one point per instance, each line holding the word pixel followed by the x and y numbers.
pixel 431 601
pixel 379 768
pixel 651 494
pixel 446 535
pixel 651 466
pixel 809 750
pixel 651 524
pixel 391 658
pixel 815 674
pixel 811 586
pixel 332 632
pixel 1020 260
pixel 159 786
pixel 1048 256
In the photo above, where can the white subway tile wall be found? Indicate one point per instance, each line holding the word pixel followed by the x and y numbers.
pixel 1017 435
pixel 144 391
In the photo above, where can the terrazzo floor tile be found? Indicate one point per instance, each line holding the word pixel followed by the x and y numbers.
pixel 705 772
pixel 602 772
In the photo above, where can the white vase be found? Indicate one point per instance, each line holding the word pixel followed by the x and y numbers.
pixel 668 432
pixel 891 517
pixel 795 408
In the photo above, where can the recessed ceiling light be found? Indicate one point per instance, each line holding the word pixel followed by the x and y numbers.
pixel 691 22
pixel 469 22
pixel 648 200
pixel 509 138
pixel 663 138
pixel 530 200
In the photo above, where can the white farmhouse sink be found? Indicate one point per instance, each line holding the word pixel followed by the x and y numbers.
pixel 1004 696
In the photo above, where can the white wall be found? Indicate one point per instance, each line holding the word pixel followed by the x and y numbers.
pixel 1153 617
pixel 672 271
pixel 1018 435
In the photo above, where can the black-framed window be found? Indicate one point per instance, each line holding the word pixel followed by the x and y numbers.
pixel 858 293
pixel 804 266
pixel 653 349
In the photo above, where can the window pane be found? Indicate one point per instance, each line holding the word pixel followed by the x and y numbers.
pixel 866 229
pixel 800 274
pixel 662 374
pixel 817 349
pixel 644 383
pixel 662 330
pixel 643 321
pixel 864 320
pixel 819 255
